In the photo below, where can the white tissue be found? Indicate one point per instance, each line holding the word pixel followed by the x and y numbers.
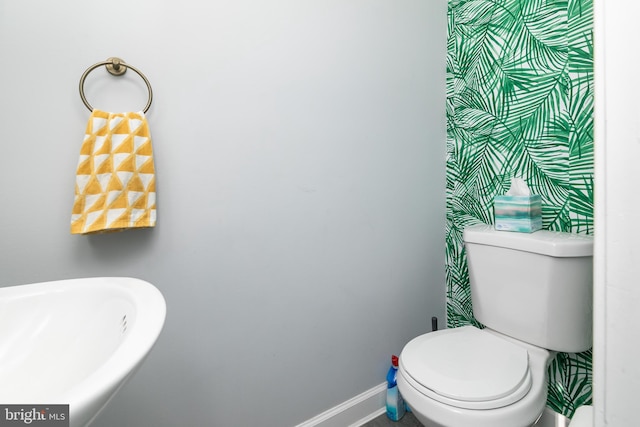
pixel 518 188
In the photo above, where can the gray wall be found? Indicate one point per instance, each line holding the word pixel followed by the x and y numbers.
pixel 300 159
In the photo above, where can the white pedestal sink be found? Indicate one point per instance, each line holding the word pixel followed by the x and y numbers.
pixel 76 341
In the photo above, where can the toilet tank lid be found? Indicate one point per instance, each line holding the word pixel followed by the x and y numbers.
pixel 544 242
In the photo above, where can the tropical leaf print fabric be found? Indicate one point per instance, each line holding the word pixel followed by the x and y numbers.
pixel 520 104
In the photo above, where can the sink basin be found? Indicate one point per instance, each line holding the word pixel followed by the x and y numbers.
pixel 76 341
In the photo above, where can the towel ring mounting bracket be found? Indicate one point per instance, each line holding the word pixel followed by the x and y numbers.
pixel 115 68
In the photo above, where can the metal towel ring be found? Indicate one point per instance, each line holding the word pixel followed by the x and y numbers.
pixel 116 67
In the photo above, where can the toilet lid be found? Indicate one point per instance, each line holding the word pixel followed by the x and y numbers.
pixel 468 368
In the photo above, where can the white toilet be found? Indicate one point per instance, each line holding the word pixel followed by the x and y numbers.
pixel 533 292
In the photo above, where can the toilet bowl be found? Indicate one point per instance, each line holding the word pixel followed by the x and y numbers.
pixel 467 377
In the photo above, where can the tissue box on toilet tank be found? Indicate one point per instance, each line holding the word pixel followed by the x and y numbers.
pixel 518 213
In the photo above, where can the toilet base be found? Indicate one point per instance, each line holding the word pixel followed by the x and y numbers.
pixel 550 418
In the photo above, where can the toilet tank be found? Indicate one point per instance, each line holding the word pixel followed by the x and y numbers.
pixel 536 287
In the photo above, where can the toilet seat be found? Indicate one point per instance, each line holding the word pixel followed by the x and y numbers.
pixel 467 368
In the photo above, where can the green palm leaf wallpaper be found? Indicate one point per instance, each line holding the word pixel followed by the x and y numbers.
pixel 520 104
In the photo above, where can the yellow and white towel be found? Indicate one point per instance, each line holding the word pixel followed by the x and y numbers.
pixel 115 179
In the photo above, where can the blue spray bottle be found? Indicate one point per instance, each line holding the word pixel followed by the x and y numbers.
pixel 395 403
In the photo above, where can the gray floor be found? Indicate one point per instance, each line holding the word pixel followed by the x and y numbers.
pixel 409 420
pixel 548 419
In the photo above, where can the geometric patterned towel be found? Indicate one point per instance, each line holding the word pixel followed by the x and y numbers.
pixel 115 179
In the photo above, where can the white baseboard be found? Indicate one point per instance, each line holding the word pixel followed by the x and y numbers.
pixel 354 412
pixel 363 421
